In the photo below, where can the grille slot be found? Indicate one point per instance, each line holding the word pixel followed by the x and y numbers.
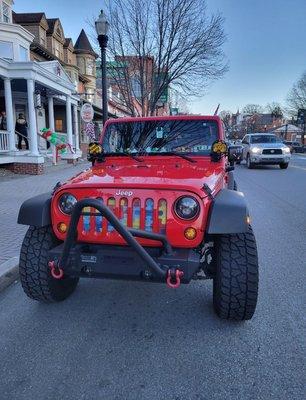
pixel 135 213
pixel 272 151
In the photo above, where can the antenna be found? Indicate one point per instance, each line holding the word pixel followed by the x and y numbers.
pixel 217 109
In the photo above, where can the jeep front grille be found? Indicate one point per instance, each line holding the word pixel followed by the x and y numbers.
pixel 133 212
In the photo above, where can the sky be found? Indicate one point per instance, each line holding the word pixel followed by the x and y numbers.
pixel 265 48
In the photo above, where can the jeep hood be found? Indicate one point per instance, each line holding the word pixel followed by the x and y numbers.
pixel 152 173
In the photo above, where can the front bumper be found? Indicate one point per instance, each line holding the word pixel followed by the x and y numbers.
pixel 122 262
pixel 270 159
pixel 75 258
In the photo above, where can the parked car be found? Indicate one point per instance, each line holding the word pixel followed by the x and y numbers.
pixel 295 147
pixel 237 145
pixel 265 149
pixel 159 204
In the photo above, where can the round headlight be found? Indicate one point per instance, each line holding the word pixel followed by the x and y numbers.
pixel 186 207
pixel 66 203
pixel 286 150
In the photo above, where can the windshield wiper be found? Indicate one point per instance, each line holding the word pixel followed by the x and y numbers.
pixel 124 153
pixel 175 153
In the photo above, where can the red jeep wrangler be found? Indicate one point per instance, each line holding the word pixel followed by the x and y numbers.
pixel 159 204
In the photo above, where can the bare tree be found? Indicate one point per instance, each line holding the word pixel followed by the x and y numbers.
pixel 179 101
pixel 226 117
pixel 252 109
pixel 297 96
pixel 158 44
pixel 275 109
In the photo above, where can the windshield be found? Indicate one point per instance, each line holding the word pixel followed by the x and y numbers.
pixel 156 137
pixel 265 139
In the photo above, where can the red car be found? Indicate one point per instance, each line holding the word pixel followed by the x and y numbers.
pixel 159 204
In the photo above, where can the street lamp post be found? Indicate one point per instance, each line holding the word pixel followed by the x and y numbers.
pixel 102 26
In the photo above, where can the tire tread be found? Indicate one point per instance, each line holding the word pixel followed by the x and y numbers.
pixel 236 279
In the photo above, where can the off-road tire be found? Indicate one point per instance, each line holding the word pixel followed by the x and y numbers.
pixel 283 165
pixel 35 276
pixel 249 164
pixel 235 285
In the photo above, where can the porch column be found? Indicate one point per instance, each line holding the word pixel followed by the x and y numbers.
pixel 76 126
pixel 69 120
pixel 32 119
pixel 9 113
pixel 51 113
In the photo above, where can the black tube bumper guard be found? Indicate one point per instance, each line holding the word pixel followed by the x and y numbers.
pixel 161 264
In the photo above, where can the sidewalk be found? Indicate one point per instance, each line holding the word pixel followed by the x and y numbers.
pixel 14 189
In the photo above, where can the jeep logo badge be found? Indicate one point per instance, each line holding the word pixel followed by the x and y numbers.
pixel 272 151
pixel 127 193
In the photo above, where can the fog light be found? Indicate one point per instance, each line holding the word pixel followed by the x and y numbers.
pixel 62 227
pixel 190 233
pixel 248 220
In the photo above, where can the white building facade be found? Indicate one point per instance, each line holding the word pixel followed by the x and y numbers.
pixel 32 88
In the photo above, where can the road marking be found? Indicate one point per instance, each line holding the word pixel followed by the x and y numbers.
pixel 294 166
pixel 299 157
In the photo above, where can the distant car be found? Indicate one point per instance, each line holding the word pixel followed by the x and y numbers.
pixel 237 146
pixel 295 147
pixel 265 149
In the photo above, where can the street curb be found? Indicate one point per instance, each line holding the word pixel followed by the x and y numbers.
pixel 9 272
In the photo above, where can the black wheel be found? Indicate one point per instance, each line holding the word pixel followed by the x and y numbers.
pixel 249 164
pixel 283 165
pixel 236 276
pixel 35 276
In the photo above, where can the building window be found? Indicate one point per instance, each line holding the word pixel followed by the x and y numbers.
pixel 23 53
pixel 59 125
pixel 90 95
pixel 59 32
pixel 58 52
pixel 6 13
pixel 6 50
pixel 136 87
pixel 90 67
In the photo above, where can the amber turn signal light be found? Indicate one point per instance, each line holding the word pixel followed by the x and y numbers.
pixel 62 227
pixel 190 233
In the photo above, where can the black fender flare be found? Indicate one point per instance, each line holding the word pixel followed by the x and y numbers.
pixel 36 211
pixel 228 213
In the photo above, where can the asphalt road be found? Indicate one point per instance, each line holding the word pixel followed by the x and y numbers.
pixel 130 341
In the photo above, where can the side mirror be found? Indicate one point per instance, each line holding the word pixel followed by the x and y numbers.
pixel 95 152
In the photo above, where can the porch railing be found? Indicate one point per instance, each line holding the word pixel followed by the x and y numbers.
pixel 4 141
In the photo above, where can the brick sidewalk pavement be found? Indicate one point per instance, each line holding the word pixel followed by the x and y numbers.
pixel 14 189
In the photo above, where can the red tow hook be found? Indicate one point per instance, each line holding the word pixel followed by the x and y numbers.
pixel 56 271
pixel 174 278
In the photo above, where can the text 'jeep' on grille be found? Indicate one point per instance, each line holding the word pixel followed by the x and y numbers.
pixel 159 204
